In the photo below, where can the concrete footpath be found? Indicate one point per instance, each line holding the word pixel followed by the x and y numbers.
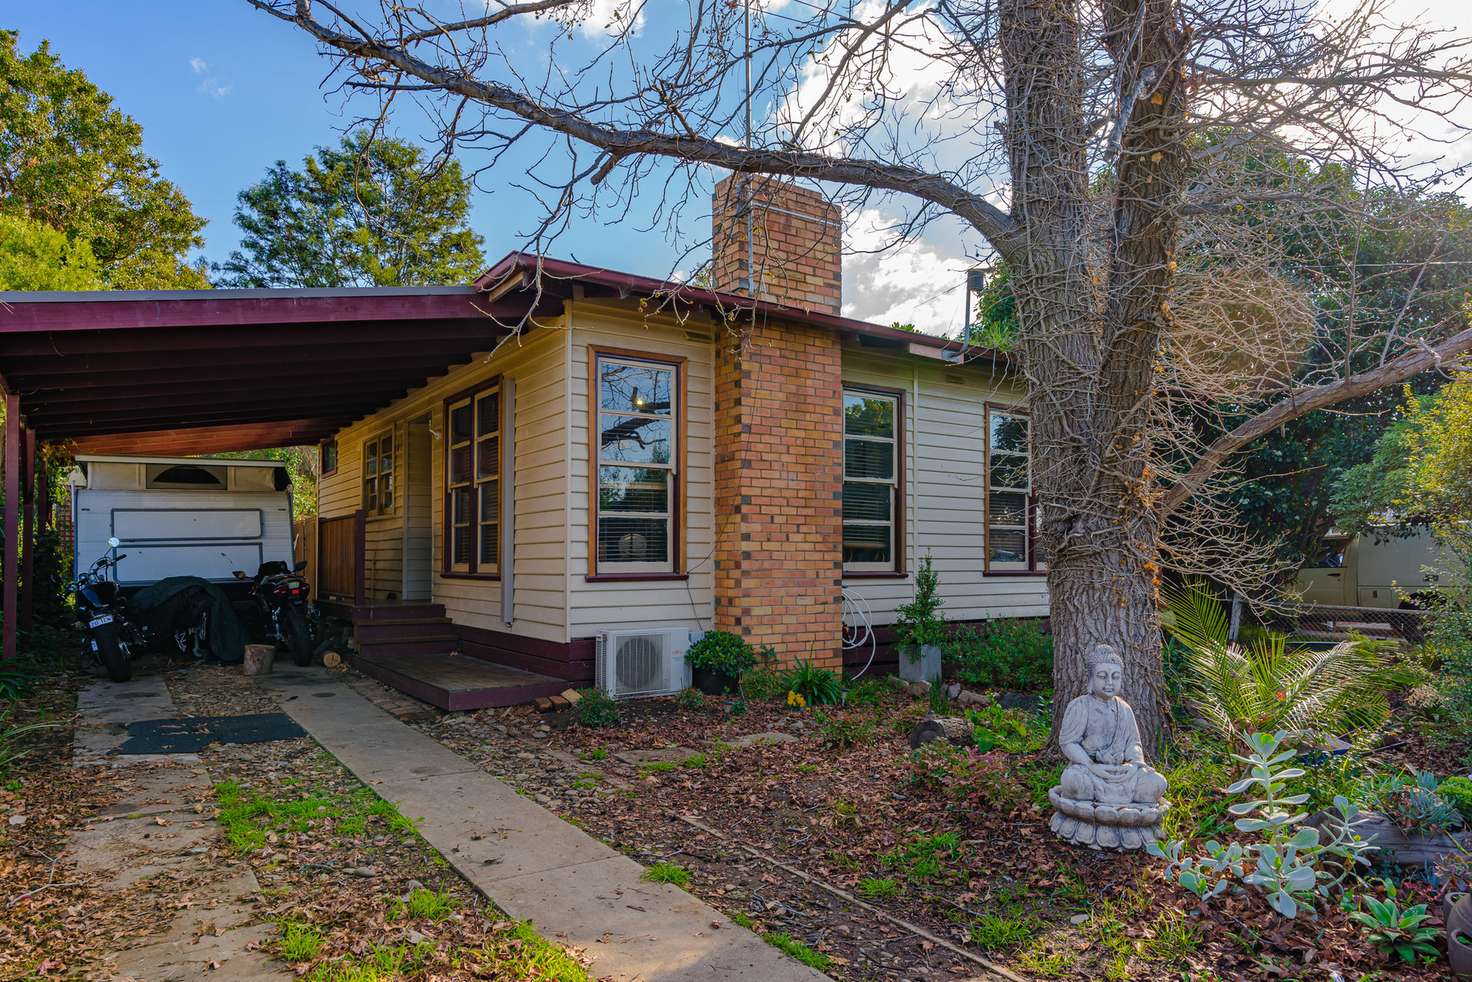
pixel 156 842
pixel 534 866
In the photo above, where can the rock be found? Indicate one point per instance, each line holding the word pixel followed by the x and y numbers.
pixel 1414 849
pixel 414 937
pixel 969 697
pixel 952 729
pixel 662 755
pixel 558 702
pixel 258 659
pixel 953 690
pixel 561 719
pixel 572 696
pixel 542 704
pixel 17 820
pixel 919 688
pixel 769 739
pixel 1077 919
pixel 365 872
pixel 1026 702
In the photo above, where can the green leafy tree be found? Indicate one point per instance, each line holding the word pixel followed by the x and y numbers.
pixel 368 213
pixel 34 256
pixel 73 163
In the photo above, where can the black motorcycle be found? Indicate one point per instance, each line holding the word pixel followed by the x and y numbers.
pixel 281 599
pixel 101 613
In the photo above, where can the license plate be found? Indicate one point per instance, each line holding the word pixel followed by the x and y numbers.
pixel 99 621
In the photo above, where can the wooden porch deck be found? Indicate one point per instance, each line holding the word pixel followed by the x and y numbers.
pixel 413 647
pixel 456 682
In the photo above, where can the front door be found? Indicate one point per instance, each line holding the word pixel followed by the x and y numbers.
pixel 418 521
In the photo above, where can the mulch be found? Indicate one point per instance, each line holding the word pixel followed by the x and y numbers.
pixel 835 815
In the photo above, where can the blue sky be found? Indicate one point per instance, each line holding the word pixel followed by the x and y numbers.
pixel 223 91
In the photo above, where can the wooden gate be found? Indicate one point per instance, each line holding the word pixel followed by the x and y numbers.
pixel 340 574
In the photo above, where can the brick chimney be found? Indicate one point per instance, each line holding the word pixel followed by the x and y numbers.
pixel 797 243
pixel 779 427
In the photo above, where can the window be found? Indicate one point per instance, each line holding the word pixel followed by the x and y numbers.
pixel 872 471
pixel 328 457
pixel 473 482
pixel 636 407
pixel 192 477
pixel 1010 523
pixel 378 474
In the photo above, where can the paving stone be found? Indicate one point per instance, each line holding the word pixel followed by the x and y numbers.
pixel 768 739
pixel 661 755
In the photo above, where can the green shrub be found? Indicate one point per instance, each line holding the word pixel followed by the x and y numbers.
pixel 764 684
pixel 1004 654
pixel 690 700
pixel 844 731
pixel 919 622
pixel 1397 932
pixel 873 691
pixel 596 709
pixel 1009 729
pixel 1457 792
pixel 723 653
pixel 1270 686
pixel 817 686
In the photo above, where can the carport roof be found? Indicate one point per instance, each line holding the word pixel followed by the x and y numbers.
pixel 201 371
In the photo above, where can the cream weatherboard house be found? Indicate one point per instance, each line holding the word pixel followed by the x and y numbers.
pixel 559 459
pixel 624 467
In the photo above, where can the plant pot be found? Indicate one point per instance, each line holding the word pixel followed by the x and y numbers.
pixel 1459 934
pixel 713 683
pixel 922 665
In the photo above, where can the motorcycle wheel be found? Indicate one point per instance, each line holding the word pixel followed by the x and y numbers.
pixel 113 658
pixel 298 638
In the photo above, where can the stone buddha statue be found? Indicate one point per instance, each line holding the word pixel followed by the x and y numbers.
pixel 1108 797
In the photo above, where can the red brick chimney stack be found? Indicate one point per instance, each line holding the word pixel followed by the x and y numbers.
pixel 797 243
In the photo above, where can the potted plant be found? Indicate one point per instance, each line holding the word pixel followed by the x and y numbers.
pixel 717 661
pixel 920 629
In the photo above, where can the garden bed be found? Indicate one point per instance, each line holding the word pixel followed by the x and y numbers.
pixel 832 833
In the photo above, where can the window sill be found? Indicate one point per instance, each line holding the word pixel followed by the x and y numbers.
pixel 635 577
pixel 1040 574
pixel 871 574
pixel 457 575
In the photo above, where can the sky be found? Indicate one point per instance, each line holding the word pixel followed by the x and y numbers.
pixel 223 91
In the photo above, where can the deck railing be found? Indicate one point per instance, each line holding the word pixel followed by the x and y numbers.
pixel 340 572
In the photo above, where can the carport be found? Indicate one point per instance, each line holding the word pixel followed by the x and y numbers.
pixel 193 372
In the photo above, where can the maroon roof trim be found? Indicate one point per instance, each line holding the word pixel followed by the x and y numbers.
pixel 553 272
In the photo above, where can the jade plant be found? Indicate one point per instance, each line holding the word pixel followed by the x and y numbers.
pixel 721 653
pixel 1398 932
pixel 1293 863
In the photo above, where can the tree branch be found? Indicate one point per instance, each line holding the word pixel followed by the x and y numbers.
pixel 1307 399
pixel 998 227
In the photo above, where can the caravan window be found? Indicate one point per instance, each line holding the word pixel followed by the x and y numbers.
pixel 189 477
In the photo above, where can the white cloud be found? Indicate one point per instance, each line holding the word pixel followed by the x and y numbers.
pixel 921 282
pixel 208 85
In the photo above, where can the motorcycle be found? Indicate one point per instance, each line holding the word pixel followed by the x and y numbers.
pixel 280 600
pixel 100 612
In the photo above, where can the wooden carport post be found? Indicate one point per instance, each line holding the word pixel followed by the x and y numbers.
pixel 27 525
pixel 12 531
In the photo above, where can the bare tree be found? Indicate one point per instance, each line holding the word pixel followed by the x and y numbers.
pixel 1123 158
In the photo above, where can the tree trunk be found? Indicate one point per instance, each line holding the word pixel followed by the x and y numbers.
pixel 1103 590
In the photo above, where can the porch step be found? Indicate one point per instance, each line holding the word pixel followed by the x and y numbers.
pixel 375 613
pixel 411 646
pixel 411 629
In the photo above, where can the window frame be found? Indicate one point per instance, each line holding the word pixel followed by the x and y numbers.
pixel 899 504
pixel 1031 567
pixel 473 570
pixel 378 510
pixel 322 457
pixel 614 572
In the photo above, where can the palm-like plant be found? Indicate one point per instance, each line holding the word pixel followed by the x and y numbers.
pixel 1270 685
